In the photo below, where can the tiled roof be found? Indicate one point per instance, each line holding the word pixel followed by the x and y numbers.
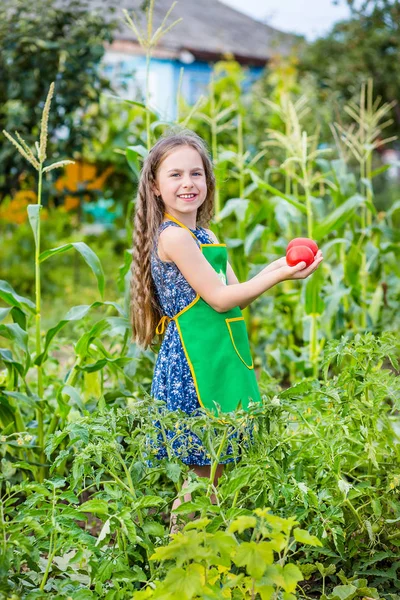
pixel 209 28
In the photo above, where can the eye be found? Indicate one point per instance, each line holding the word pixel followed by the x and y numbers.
pixel 197 173
pixel 173 175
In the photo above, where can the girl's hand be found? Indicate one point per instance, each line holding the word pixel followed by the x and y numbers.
pixel 276 264
pixel 300 271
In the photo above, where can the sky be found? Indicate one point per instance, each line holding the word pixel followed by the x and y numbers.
pixel 312 18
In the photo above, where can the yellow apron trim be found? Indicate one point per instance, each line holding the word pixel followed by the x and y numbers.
pixel 193 302
pixel 227 321
pixel 191 232
pixel 181 224
pixel 190 364
pixel 162 324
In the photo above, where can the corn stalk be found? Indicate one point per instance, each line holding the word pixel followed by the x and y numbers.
pixel 216 119
pixel 283 110
pixel 34 219
pixel 301 153
pixel 148 40
pixel 362 137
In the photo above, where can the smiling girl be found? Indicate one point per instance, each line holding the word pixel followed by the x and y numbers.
pixel 184 289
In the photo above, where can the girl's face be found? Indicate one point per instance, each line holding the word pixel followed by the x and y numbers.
pixel 181 181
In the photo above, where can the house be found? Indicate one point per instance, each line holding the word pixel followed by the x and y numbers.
pixel 209 30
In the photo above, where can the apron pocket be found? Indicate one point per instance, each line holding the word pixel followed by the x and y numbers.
pixel 240 340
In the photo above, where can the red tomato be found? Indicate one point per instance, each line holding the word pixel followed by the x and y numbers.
pixel 297 254
pixel 303 242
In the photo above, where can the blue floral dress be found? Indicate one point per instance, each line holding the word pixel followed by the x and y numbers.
pixel 172 379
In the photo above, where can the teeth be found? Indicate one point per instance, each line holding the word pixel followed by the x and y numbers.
pixel 187 196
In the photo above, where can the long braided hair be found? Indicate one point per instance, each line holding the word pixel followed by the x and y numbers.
pixel 149 214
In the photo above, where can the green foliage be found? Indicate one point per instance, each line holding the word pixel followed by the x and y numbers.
pixel 326 449
pixel 83 512
pixel 46 43
pixel 366 45
pixel 203 564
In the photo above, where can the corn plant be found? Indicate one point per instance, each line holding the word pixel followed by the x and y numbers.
pixel 301 152
pixel 148 40
pixel 16 390
pixel 361 138
pixel 15 331
pixel 219 119
pixel 283 110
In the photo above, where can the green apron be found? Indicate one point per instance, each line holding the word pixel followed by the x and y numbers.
pixel 216 345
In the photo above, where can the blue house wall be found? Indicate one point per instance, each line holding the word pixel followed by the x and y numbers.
pixel 128 76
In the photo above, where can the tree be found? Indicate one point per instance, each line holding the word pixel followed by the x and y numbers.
pixel 43 42
pixel 366 45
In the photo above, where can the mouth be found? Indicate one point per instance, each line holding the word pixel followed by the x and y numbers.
pixel 188 197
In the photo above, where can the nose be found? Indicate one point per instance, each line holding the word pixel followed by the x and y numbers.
pixel 187 183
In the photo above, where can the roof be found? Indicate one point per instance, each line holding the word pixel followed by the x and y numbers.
pixel 209 29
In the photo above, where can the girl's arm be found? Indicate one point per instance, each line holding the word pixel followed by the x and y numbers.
pixel 276 264
pixel 231 275
pixel 179 247
pixel 243 294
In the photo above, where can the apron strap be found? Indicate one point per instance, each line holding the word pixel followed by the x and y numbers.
pixel 182 225
pixel 162 324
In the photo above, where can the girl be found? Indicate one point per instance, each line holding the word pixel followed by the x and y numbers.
pixel 183 286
